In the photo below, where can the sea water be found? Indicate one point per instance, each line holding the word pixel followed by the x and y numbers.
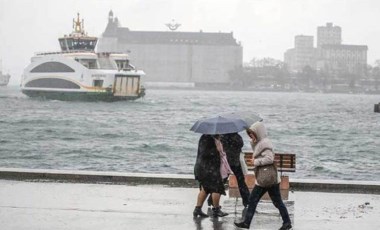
pixel 335 136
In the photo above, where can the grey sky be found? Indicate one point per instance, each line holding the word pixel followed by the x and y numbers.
pixel 266 28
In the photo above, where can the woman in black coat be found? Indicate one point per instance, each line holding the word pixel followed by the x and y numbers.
pixel 232 144
pixel 207 172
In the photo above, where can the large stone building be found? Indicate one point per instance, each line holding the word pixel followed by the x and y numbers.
pixel 343 59
pixel 336 58
pixel 195 58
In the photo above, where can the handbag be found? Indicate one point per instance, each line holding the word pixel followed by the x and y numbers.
pixel 266 175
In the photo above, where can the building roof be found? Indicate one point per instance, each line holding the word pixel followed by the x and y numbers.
pixel 125 35
pixel 329 26
pixel 344 47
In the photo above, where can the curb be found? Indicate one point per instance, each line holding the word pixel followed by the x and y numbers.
pixel 336 186
pixel 174 180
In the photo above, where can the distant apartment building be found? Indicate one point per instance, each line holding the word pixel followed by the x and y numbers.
pixel 336 58
pixel 343 59
pixel 199 58
pixel 330 56
pixel 303 54
pixel 329 35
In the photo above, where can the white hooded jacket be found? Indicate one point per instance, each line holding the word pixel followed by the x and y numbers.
pixel 266 157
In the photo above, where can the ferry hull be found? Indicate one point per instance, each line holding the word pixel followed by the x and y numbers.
pixel 79 96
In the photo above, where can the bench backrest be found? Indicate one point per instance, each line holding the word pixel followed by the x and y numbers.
pixel 285 162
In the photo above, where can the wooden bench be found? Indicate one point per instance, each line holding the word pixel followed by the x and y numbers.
pixel 285 162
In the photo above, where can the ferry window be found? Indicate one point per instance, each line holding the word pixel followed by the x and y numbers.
pixel 52 67
pixel 92 64
pixel 52 83
pixel 89 63
pixel 90 45
pixel 69 43
pixel 122 64
pixel 63 45
pixel 98 83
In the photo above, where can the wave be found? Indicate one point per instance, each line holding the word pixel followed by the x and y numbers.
pixel 152 135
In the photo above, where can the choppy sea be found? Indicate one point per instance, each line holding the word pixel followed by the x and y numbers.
pixel 335 136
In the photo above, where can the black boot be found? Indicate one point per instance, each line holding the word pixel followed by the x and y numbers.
pixel 242 225
pixel 198 212
pixel 286 226
pixel 218 212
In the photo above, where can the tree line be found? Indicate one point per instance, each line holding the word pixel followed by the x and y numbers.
pixel 271 73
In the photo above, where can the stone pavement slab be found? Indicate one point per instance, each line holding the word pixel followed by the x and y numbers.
pixel 48 205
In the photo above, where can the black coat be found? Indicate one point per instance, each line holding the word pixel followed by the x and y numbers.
pixel 232 145
pixel 207 165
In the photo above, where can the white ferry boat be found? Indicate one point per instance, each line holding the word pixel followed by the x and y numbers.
pixel 77 72
pixel 4 78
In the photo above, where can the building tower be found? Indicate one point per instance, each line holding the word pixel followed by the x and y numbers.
pixel 110 17
pixel 329 35
pixel 303 54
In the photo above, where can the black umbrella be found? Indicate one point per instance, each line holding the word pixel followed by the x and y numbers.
pixel 219 125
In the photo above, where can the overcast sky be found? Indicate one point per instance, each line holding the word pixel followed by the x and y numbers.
pixel 266 28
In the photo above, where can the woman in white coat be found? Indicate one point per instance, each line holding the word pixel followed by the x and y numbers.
pixel 263 155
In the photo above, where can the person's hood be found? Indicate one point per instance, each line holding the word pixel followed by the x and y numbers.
pixel 259 130
pixel 263 141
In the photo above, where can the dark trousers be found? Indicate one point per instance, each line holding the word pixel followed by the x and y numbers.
pixel 274 193
pixel 243 188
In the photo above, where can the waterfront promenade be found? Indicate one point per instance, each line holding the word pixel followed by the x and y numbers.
pixel 51 199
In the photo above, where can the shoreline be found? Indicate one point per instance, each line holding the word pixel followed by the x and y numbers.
pixel 173 180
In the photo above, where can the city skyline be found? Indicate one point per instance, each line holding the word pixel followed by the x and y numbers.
pixel 265 28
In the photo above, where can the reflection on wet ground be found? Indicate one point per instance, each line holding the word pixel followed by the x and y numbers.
pixel 39 205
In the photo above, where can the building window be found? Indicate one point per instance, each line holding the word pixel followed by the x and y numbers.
pixel 52 83
pixel 52 67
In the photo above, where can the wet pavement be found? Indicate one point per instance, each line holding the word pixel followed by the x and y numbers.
pixel 51 205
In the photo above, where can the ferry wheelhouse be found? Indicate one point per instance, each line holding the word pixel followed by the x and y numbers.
pixel 77 72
